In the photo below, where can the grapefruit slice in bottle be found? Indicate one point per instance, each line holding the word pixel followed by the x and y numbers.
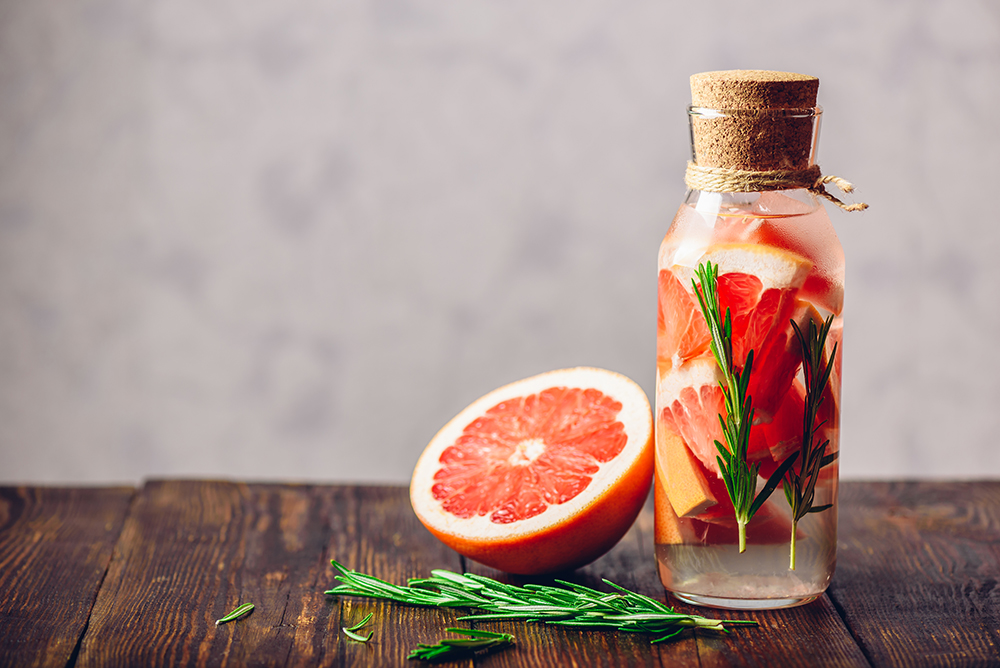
pixel 542 475
pixel 681 332
pixel 758 286
pixel 690 402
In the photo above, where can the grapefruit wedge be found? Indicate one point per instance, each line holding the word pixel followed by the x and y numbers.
pixel 758 286
pixel 690 402
pixel 543 475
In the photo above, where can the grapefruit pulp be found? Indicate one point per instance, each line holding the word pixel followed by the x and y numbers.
pixel 542 475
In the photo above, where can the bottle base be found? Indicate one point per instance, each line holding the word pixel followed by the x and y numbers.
pixel 744 603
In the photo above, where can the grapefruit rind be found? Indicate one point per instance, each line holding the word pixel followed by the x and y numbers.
pixel 774 267
pixel 686 486
pixel 668 529
pixel 566 535
pixel 679 397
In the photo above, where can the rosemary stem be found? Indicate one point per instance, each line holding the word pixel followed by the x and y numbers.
pixel 791 559
pixel 567 604
pixel 743 534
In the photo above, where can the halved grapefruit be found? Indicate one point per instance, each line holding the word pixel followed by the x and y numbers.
pixel 543 475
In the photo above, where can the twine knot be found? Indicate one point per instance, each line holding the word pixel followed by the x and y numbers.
pixel 727 180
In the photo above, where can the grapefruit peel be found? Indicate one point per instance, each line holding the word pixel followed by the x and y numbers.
pixel 687 487
pixel 566 533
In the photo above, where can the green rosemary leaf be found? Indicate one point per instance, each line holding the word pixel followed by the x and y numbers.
pixel 244 609
pixel 477 633
pixel 772 482
pixel 460 580
pixel 668 636
pixel 819 509
pixel 578 588
pixel 356 636
pixel 829 459
pixel 361 623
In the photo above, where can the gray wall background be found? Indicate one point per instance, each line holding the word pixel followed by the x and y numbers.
pixel 262 239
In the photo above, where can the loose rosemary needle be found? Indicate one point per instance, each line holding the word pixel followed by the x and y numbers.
pixel 566 605
pixel 351 631
pixel 739 476
pixel 244 609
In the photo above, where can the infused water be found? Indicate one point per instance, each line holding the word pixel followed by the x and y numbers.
pixel 779 262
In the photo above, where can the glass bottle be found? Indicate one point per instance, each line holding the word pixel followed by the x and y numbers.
pixel 780 266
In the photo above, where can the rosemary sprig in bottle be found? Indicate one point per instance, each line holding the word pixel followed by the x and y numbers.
pixel 800 488
pixel 740 477
pixel 567 605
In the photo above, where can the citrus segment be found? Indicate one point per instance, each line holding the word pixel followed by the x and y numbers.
pixel 783 434
pixel 686 486
pixel 690 402
pixel 680 326
pixel 527 453
pixel 757 286
pixel 541 475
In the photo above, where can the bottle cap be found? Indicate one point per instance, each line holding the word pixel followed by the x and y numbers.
pixel 754 120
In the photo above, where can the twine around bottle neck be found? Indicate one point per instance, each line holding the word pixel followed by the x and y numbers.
pixel 726 180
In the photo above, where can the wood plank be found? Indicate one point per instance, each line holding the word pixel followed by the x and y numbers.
pixel 917 571
pixel 55 547
pixel 809 635
pixel 192 551
pixel 916 582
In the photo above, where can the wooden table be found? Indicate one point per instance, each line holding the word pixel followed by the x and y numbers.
pixel 119 576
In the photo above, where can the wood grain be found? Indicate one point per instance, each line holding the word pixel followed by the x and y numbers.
pixel 917 572
pixel 192 551
pixel 55 547
pixel 916 583
pixel 390 543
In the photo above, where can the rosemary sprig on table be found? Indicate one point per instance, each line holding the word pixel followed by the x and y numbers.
pixel 452 649
pixel 567 605
pixel 800 488
pixel 740 476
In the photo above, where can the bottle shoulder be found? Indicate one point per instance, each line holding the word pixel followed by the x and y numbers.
pixel 783 222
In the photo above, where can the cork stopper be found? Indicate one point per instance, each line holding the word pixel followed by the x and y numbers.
pixel 761 120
